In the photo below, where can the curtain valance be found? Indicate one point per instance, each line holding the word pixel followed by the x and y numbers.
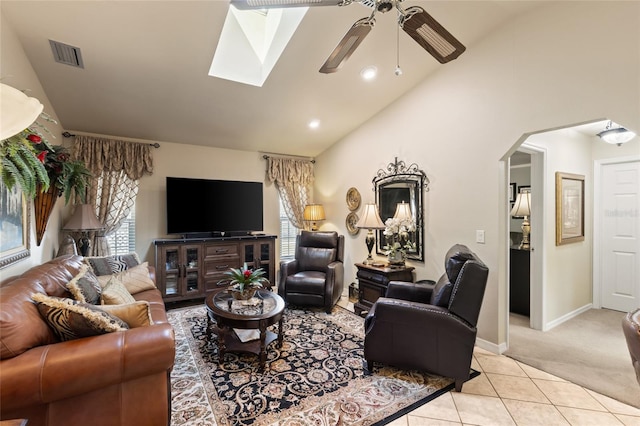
pixel 107 155
pixel 283 169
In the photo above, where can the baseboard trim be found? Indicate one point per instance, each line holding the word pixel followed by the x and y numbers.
pixel 491 347
pixel 552 324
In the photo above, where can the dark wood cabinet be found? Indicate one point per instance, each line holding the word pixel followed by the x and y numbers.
pixel 519 281
pixel 373 282
pixel 192 268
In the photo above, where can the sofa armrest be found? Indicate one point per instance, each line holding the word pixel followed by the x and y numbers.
pixel 152 273
pixel 67 369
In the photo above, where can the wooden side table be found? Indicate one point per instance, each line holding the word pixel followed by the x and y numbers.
pixel 373 282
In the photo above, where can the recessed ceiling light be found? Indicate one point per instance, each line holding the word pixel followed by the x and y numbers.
pixel 369 73
pixel 314 124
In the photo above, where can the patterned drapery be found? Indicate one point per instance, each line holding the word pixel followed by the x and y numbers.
pixel 116 167
pixel 293 178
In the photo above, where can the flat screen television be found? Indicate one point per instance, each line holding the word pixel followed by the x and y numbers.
pixel 206 206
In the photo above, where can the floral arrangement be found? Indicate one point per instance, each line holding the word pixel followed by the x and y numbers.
pixel 396 233
pixel 29 161
pixel 243 278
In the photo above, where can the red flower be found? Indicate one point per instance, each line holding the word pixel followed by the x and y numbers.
pixel 34 138
pixel 42 156
pixel 247 273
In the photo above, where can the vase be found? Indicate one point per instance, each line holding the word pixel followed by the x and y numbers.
pixel 43 206
pixel 396 258
pixel 245 294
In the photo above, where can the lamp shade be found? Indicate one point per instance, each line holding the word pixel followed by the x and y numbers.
pixel 83 219
pixel 522 206
pixel 19 111
pixel 314 212
pixel 370 218
pixel 403 211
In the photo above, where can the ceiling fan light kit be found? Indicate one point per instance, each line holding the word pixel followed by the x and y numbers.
pixel 414 20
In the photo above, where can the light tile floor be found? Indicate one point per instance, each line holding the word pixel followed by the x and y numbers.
pixel 508 392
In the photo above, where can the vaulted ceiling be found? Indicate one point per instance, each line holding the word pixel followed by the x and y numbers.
pixel 146 69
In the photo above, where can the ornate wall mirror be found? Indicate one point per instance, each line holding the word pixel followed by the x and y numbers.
pixel 399 183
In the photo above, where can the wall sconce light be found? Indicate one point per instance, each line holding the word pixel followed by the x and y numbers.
pixel 314 213
pixel 522 208
pixel 83 220
pixel 370 220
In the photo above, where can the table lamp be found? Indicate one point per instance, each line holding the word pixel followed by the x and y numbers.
pixel 370 220
pixel 83 220
pixel 522 208
pixel 314 213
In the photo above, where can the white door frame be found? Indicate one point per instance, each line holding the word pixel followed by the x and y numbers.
pixel 597 230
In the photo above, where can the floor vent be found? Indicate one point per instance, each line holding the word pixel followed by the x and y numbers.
pixel 66 54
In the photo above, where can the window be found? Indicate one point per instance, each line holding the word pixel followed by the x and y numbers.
pixel 123 241
pixel 288 234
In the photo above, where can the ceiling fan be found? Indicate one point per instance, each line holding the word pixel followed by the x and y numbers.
pixel 425 30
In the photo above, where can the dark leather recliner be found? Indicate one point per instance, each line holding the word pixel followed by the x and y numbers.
pixel 316 276
pixel 631 329
pixel 430 327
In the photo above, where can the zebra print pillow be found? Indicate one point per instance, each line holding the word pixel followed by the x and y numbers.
pixel 108 265
pixel 70 319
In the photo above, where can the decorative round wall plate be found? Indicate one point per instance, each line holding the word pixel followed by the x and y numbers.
pixel 353 199
pixel 351 221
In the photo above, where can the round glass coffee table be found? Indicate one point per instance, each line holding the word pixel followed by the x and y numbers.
pixel 241 326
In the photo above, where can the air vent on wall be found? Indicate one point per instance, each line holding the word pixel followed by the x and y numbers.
pixel 66 54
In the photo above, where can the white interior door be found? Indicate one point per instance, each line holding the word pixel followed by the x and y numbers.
pixel 619 213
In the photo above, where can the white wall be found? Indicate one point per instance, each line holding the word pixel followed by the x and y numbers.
pixel 539 72
pixel 567 273
pixel 16 71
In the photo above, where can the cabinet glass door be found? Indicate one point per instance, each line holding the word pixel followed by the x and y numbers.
pixel 249 258
pixel 172 272
pixel 191 268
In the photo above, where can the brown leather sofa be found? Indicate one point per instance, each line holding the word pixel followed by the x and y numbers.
pixel 631 329
pixel 316 276
pixel 120 378
pixel 430 326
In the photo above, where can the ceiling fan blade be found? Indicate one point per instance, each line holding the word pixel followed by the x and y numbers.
pixel 347 45
pixel 278 4
pixel 429 34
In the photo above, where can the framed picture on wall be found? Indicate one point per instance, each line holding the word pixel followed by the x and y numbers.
pixel 569 208
pixel 14 226
pixel 512 192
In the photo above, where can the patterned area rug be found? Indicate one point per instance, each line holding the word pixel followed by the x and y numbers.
pixel 318 376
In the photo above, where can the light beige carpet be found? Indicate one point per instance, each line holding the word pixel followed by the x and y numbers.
pixel 589 350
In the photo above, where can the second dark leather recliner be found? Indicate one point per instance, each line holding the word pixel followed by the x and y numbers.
pixel 430 327
pixel 316 276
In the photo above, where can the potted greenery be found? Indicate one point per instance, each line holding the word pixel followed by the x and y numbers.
pixel 30 162
pixel 43 172
pixel 244 281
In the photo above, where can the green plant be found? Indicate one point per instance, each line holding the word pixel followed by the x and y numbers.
pixel 244 277
pixel 20 166
pixel 30 162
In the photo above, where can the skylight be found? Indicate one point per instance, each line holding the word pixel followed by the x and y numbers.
pixel 252 41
